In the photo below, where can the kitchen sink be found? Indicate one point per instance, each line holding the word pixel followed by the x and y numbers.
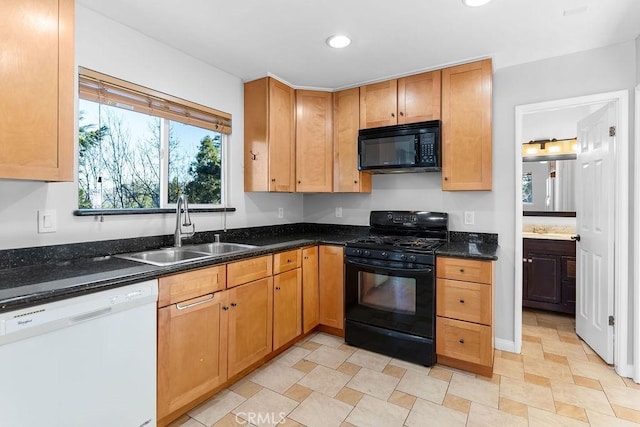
pixel 173 256
pixel 219 248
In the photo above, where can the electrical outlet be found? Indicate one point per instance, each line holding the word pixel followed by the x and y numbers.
pixel 280 212
pixel 47 221
pixel 469 217
pixel 338 212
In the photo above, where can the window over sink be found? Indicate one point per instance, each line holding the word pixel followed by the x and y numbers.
pixel 141 149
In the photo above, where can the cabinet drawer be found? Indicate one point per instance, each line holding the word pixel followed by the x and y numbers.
pixel 285 261
pixel 464 301
pixel 249 270
pixel 464 341
pixel 184 286
pixel 467 270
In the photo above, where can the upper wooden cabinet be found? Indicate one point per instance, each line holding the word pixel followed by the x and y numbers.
pixel 466 127
pixel 269 131
pixel 407 100
pixel 314 141
pixel 37 87
pixel 346 123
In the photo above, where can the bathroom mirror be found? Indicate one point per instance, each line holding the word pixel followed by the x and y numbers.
pixel 548 188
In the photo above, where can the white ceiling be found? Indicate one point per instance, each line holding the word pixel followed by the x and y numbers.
pixel 286 38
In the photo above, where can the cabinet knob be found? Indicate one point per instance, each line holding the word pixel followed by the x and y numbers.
pixel 225 308
pixel 233 304
pixel 461 301
pixel 355 182
pixel 277 288
pixel 401 113
pixel 273 180
pixel 446 178
pixel 461 341
pixel 289 261
pixel 462 270
pixel 393 114
pixel 299 182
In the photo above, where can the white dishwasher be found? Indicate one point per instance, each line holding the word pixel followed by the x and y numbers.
pixel 83 361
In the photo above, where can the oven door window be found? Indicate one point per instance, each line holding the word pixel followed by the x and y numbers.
pixel 389 293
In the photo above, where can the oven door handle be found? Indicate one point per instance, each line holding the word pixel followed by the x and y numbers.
pixel 399 270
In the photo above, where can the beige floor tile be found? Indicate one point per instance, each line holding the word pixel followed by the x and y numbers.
pixel 298 392
pixel 556 358
pixel 532 349
pixel 319 410
pixel 265 408
pixel 587 382
pixel 427 413
pixel 571 351
pixel 421 385
pixel 513 407
pixel 409 366
pixel 555 318
pixel 402 399
pixel 440 373
pixel 184 420
pixel 324 380
pixel 372 412
pixel 540 332
pixel 374 383
pixel 508 368
pixel 527 393
pixel 546 368
pixel 216 408
pixel 326 339
pixel 569 339
pixel 626 413
pixel 310 345
pixel 474 389
pixel 367 359
pixel 456 403
pixel 394 371
pixel 629 382
pixel 582 397
pixel 349 396
pixel 511 356
pixel 594 358
pixel 571 411
pixel 231 420
pixel 529 321
pixel 483 416
pixel 346 424
pixel 597 419
pixel 603 373
pixel 292 356
pixel 328 356
pixel 537 379
pixel 586 348
pixel 347 348
pixel 539 417
pixel 349 368
pixel 245 388
pixel 276 376
pixel 305 366
pixel 288 422
pixel 531 338
pixel 623 396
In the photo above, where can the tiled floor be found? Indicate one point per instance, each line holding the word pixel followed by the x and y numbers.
pixel 557 380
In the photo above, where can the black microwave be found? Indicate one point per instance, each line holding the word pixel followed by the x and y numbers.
pixel 412 147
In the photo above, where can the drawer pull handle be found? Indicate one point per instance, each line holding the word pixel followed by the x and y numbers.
pixel 233 304
pixel 461 340
pixel 277 288
pixel 184 307
pixel 462 270
pixel 461 301
pixel 225 308
pixel 289 261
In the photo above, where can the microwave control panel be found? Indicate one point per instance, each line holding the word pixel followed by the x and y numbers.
pixel 428 151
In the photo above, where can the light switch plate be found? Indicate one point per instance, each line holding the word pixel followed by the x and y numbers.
pixel 280 212
pixel 47 221
pixel 469 217
pixel 338 212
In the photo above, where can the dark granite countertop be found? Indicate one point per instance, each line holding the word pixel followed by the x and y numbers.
pixel 38 275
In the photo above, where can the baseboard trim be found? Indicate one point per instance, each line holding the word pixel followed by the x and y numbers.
pixel 504 345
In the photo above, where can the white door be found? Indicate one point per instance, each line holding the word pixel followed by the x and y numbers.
pixel 595 200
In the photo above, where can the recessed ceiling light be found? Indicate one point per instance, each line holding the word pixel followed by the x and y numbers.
pixel 338 41
pixel 475 3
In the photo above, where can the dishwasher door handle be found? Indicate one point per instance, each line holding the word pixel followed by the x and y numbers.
pixel 91 315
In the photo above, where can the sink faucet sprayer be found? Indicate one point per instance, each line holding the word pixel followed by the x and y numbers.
pixel 178 235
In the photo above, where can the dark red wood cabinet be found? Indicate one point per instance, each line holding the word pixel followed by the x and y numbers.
pixel 549 275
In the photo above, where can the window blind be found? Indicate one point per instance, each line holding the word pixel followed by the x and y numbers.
pixel 98 87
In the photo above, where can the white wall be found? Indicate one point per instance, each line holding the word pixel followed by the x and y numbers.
pixel 599 70
pixel 111 48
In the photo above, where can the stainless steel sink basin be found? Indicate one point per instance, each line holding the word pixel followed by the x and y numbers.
pixel 172 256
pixel 219 248
pixel 163 257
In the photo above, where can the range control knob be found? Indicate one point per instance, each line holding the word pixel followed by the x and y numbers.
pixel 367 253
pixel 357 252
pixel 403 257
pixel 412 258
pixel 384 254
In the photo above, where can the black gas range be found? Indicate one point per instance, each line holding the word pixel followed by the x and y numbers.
pixel 390 284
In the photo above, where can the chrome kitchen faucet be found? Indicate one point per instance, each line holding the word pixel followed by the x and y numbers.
pixel 178 235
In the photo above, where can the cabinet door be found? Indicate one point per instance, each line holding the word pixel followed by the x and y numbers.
pixel 331 285
pixel 192 350
pixel 346 123
pixel 419 97
pixel 287 307
pixel 281 137
pixel 543 278
pixel 466 127
pixel 379 104
pixel 250 324
pixel 310 306
pixel 37 87
pixel 256 144
pixel 314 141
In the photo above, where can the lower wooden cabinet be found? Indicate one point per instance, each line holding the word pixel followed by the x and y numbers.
pixel 310 302
pixel 287 307
pixel 250 324
pixel 331 286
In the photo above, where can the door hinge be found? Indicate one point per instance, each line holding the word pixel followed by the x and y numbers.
pixel 612 131
pixel 612 321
